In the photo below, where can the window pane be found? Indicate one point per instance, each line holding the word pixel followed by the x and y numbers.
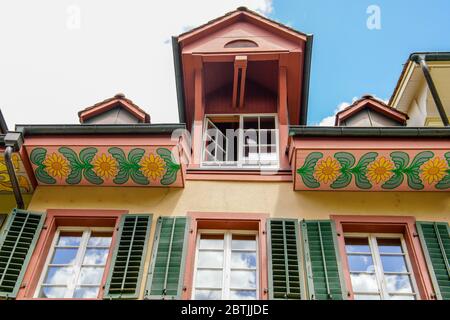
pixel 70 239
pixel 90 275
pixel 243 279
pixel 367 297
pixel 52 292
pixel 362 282
pixel 394 297
pixel 389 245
pixel 208 294
pixel 250 123
pixel 208 279
pixel 398 283
pixel 267 122
pixel 393 264
pixel 64 256
pixel 243 294
pixel 58 275
pixel 267 136
pixel 243 260
pixel 210 259
pixel 86 292
pixel 357 245
pixel 361 263
pixel 100 239
pixel 243 242
pixel 96 256
pixel 211 241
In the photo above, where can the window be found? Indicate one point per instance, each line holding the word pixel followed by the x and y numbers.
pixel 244 141
pixel 379 267
pixel 226 265
pixel 76 263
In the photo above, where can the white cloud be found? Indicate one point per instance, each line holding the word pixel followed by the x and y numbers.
pixel 49 71
pixel 330 120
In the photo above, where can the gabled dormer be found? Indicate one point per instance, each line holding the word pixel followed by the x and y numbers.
pixel 370 112
pixel 246 74
pixel 115 110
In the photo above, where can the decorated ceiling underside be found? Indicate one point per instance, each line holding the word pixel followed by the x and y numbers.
pixel 372 170
pixel 22 176
pixel 106 165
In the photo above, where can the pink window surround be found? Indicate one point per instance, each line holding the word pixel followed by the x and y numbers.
pixel 231 221
pixel 64 217
pixel 386 224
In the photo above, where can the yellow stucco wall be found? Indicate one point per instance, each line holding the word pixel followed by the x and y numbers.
pixel 8 202
pixel 275 198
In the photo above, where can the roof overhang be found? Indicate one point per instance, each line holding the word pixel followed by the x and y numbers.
pixel 140 155
pixel 347 158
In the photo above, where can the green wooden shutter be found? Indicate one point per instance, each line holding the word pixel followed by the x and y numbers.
pixel 125 275
pixel 16 247
pixel 285 270
pixel 435 240
pixel 165 279
pixel 323 267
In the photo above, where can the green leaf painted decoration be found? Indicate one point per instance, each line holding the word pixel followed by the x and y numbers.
pixel 129 167
pixel 172 167
pixel 307 171
pixel 445 182
pixel 37 157
pixel 412 172
pixel 81 166
pixel 347 161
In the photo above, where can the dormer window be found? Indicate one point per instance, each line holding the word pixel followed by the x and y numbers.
pixel 240 141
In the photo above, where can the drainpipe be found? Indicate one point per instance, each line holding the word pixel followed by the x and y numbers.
pixel 420 59
pixel 13 142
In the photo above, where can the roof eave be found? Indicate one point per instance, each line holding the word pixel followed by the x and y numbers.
pixel 369 132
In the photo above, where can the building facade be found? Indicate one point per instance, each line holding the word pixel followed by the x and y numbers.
pixel 240 199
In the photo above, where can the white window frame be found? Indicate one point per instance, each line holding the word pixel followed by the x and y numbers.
pixel 226 273
pixel 78 263
pixel 241 163
pixel 379 272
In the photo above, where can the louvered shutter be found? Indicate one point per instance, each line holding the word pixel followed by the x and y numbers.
pixel 435 240
pixel 323 267
pixel 165 279
pixel 124 279
pixel 285 272
pixel 16 247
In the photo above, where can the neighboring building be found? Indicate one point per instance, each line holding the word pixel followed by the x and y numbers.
pixel 247 203
pixel 415 96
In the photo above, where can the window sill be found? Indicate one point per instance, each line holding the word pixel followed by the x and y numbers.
pixel 238 174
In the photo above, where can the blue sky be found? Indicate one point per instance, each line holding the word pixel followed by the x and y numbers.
pixel 61 56
pixel 348 58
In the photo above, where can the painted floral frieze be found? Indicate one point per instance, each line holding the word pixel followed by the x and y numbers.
pixel 21 174
pixel 381 171
pixel 106 166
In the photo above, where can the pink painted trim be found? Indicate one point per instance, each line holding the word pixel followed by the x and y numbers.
pixel 53 219
pixel 380 224
pixel 226 220
pixel 103 140
pixel 230 175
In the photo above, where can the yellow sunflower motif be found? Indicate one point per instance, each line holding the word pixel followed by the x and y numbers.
pixel 327 170
pixel 153 167
pixel 105 166
pixel 434 170
pixel 380 170
pixel 56 166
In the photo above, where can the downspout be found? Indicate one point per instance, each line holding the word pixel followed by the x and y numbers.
pixel 306 79
pixel 13 142
pixel 420 59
